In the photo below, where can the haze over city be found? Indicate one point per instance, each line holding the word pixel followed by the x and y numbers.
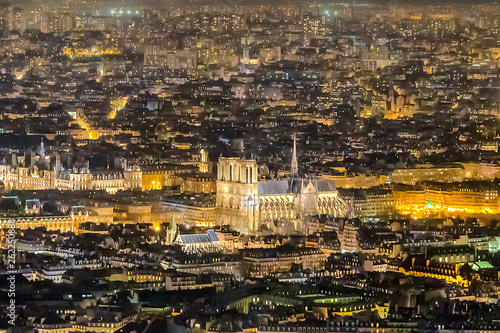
pixel 240 166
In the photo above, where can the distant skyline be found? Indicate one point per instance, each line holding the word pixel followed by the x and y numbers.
pixel 253 2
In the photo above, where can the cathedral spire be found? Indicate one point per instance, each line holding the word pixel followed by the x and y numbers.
pixel 41 151
pixel 295 164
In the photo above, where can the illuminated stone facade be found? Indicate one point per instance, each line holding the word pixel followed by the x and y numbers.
pixel 246 203
pixel 64 222
pixel 445 173
pixel 43 171
pixel 198 183
pixel 33 178
pixel 369 204
pixel 425 202
pixel 356 181
pixel 259 263
pixel 155 177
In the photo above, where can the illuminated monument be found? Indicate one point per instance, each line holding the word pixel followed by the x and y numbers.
pixel 246 203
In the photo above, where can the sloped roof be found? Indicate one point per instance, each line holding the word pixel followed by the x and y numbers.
pixel 321 185
pixel 208 237
pixel 481 265
pixel 33 204
pixel 273 187
pixel 276 187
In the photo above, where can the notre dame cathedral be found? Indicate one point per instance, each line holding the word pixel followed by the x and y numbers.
pixel 247 204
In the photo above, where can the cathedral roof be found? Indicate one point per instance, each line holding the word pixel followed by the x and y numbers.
pixel 321 185
pixel 276 187
pixel 229 153
pixel 273 187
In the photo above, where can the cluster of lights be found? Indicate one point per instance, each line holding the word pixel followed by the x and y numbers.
pixel 121 11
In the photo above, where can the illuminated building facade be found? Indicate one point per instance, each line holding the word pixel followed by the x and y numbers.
pixel 155 177
pixel 445 174
pixel 246 203
pixel 422 267
pixel 33 178
pixel 349 238
pixel 424 202
pixel 258 263
pixel 356 181
pixel 202 264
pixel 41 170
pixel 369 204
pixel 198 183
pixel 64 222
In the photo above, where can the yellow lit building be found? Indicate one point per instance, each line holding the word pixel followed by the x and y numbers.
pixel 43 171
pixel 23 178
pixel 451 202
pixel 95 50
pixel 64 223
pixel 445 174
pixel 198 183
pixel 155 177
pixel 52 325
pixel 421 267
pixel 356 181
pixel 259 263
pixel 98 327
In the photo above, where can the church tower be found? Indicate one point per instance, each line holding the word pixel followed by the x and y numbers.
pixel 203 163
pixel 237 193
